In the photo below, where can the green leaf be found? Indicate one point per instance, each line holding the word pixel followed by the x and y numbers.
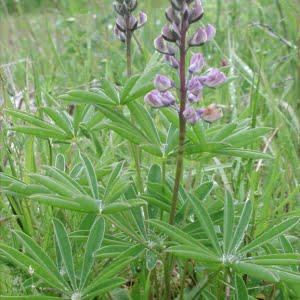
pixel 65 250
pixel 60 120
pixel 206 222
pixel 194 252
pixel 276 259
pixel 223 132
pixel 201 148
pixel 91 175
pixel 241 228
pixel 128 87
pixel 255 271
pixel 270 234
pixel 243 153
pixel 285 275
pixel 110 90
pixel 103 287
pixel 228 222
pixel 36 297
pixel 145 121
pixel 94 243
pixel 178 235
pixel 246 137
pixel 84 97
pixel 121 206
pixel 111 251
pixel 42 133
pixel 241 292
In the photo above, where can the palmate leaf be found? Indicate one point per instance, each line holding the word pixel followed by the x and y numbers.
pixel 24 262
pixel 39 255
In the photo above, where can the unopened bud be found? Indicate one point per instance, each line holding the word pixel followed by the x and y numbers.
pixel 197 63
pixel 163 83
pixel 210 114
pixel 199 38
pixel 172 61
pixel 214 78
pixel 191 115
pixel 142 19
pixel 162 47
pixel 196 13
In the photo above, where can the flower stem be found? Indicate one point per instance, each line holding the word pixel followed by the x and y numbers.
pixel 179 164
pixel 182 125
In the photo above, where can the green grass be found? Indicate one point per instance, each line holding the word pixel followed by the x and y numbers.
pixel 50 48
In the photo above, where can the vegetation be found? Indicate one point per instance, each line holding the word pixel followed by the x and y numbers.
pixel 120 179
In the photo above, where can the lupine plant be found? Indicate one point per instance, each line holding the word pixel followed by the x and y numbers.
pixel 94 222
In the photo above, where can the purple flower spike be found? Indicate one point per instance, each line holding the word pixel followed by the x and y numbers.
pixel 197 63
pixel 191 115
pixel 199 38
pixel 162 47
pixel 142 19
pixel 210 114
pixel 210 32
pixel 163 83
pixel 196 13
pixel 157 100
pixel 172 61
pixel 214 78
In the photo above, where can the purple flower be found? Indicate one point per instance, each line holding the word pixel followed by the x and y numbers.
pixel 162 47
pixel 199 38
pixel 163 83
pixel 191 115
pixel 119 34
pixel 194 86
pixel 197 63
pixel 157 99
pixel 172 61
pixel 214 78
pixel 142 19
pixel 196 13
pixel 172 16
pixel 210 114
pixel 121 24
pixel 210 32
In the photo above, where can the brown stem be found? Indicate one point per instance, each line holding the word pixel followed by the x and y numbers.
pixel 182 124
pixel 128 52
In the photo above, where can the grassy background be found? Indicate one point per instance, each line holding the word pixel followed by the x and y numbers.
pixel 53 46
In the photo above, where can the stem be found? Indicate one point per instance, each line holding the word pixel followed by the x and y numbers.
pixel 179 164
pixel 182 124
pixel 128 52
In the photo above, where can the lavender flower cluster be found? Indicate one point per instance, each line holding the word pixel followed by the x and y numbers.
pixel 181 14
pixel 126 21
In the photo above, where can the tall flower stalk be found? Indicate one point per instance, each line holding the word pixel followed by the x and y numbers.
pixel 174 43
pixel 124 28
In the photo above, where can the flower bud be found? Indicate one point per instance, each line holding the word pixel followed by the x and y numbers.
pixel 210 114
pixel 172 16
pixel 142 19
pixel 199 38
pixel 131 5
pixel 197 63
pixel 163 83
pixel 210 32
pixel 156 99
pixel 133 22
pixel 214 78
pixel 196 13
pixel 119 8
pixel 162 47
pixel 172 61
pixel 168 34
pixel 194 86
pixel 121 24
pixel 178 4
pixel 191 115
pixel 119 34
